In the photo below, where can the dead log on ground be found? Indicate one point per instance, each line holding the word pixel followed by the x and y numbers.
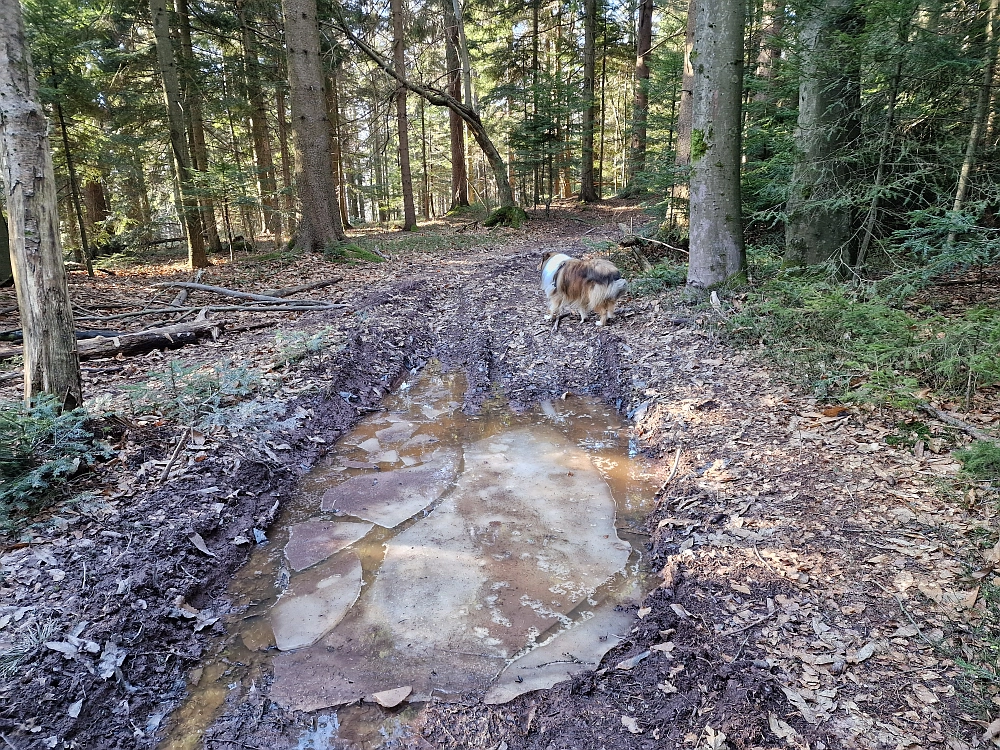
pixel 168 337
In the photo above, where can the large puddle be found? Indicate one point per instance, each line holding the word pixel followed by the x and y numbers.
pixel 436 555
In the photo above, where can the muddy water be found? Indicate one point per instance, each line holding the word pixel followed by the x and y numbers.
pixel 439 555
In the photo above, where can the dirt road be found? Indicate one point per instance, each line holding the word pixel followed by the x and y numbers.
pixel 814 578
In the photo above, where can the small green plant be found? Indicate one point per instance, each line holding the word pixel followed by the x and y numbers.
pixel 28 639
pixel 294 346
pixel 659 277
pixel 980 461
pixel 188 392
pixel 908 433
pixel 40 448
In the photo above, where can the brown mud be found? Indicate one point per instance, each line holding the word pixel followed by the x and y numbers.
pixel 814 578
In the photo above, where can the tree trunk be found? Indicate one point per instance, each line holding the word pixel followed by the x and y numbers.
pixel 287 192
pixel 320 225
pixel 74 189
pixel 267 184
pixel 456 126
pixel 588 192
pixel 717 254
pixel 819 227
pixel 337 143
pixel 175 120
pixel 51 364
pixel 682 153
pixel 96 208
pixel 6 267
pixel 770 50
pixel 981 116
pixel 402 124
pixel 640 107
pixel 198 147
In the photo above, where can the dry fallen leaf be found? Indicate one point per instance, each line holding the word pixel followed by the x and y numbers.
pixel 924 694
pixel 643 611
pixel 741 587
pixel 631 725
pixel 632 661
pixel 199 543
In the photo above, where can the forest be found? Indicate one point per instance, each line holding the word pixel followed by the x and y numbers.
pixel 271 320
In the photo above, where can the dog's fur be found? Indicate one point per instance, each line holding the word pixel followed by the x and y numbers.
pixel 583 285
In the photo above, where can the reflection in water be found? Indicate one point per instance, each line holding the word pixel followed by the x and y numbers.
pixel 503 544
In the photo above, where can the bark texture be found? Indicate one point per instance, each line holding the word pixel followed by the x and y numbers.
pixel 717 252
pixel 178 142
pixel 819 226
pixel 640 105
pixel 51 364
pixel 267 184
pixel 320 224
pixel 588 191
pixel 456 126
pixel 682 152
pixel 402 123
pixel 196 120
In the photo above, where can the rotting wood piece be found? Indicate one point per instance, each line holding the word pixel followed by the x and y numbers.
pixel 289 306
pixel 168 337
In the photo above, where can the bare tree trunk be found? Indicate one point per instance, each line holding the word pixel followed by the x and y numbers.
pixel 640 107
pixel 979 123
pixel 175 119
pixel 770 48
pixel 819 227
pixel 682 153
pixel 96 205
pixel 6 267
pixel 51 362
pixel 267 184
pixel 198 146
pixel 456 126
pixel 717 252
pixel 288 200
pixel 320 224
pixel 74 189
pixel 337 138
pixel 588 192
pixel 402 124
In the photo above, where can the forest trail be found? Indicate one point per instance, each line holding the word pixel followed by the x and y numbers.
pixel 815 583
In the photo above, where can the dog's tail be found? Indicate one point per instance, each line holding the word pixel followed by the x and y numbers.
pixel 601 294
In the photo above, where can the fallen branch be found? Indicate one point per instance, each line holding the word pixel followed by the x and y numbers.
pixel 956 422
pixel 15 375
pixel 168 337
pixel 229 292
pixel 288 306
pixel 182 295
pixel 301 288
pixel 634 239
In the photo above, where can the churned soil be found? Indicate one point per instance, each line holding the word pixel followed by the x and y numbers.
pixel 815 578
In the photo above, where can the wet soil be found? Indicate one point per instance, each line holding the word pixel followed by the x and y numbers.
pixel 815 578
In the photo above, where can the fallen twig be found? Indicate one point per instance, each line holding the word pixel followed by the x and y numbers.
pixel 672 474
pixel 177 452
pixel 231 292
pixel 289 306
pixel 182 295
pixel 956 422
pixel 301 288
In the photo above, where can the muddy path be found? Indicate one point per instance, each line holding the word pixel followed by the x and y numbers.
pixel 813 580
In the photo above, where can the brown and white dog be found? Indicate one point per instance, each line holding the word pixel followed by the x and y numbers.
pixel 584 286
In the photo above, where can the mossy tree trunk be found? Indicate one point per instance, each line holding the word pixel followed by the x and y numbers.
pixel 820 224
